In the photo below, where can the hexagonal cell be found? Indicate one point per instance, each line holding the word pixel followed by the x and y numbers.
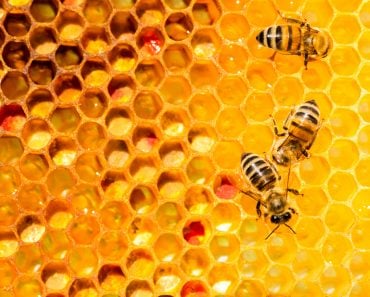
pixel 194 287
pixel 150 12
pixel 42 71
pixel 89 167
pixel 177 57
pixel 175 122
pixel 177 4
pixel 204 106
pixel 34 166
pixel 205 43
pixel 123 25
pixel 28 258
pixel 150 41
pixel 117 153
pixel 8 212
pixel 172 153
pixel 206 12
pixel 227 148
pixel 16 54
pixel 68 56
pixel 55 276
pixel 36 134
pixel 343 154
pixel 167 247
pixel 336 249
pixel 43 40
pixel 145 138
pixel 30 228
pixel 149 73
pixel 223 279
pixel 10 180
pixel 233 58
pixel 139 288
pixel 93 103
pixel 231 122
pixel 314 170
pixel 169 215
pixel 44 11
pixel 140 263
pixel 347 85
pixel 112 245
pixel 60 182
pixel 40 103
pixel 284 89
pixel 12 118
pixel 114 184
pixel 115 215
pixel 81 287
pixel 67 87
pixel 253 263
pixel 97 11
pixel 142 231
pixel 167 277
pixel 147 104
pixel 335 280
pixel 7 272
pixel 95 40
pixel 84 229
pixel 58 214
pixel 279 279
pixel 261 75
pixel 65 119
pixel 95 72
pixel 224 185
pixel 344 122
pixel 178 26
pixel 55 244
pixel 226 217
pixel 119 122
pixel 195 262
pixel 310 231
pixel 345 28
pixel 196 231
pixel 234 26
pixel 278 245
pixel 27 285
pixel 201 138
pixel 225 247
pixel 17 24
pixel 8 243
pixel 204 73
pixel 83 261
pixel 252 288
pixel 200 170
pixel 143 169
pixel 314 202
pixel 111 277
pixel 121 88
pixel 345 60
pixel 362 172
pixel 122 57
pixel 143 199
pixel 198 200
pixel 85 199
pixel 69 25
pixel 11 149
pixel 14 85
pixel 63 151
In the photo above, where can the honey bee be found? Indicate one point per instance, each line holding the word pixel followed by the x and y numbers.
pixel 302 126
pixel 296 38
pixel 263 176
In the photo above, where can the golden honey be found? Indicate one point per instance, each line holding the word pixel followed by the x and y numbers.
pixel 122 123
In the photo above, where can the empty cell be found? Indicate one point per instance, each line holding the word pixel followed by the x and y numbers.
pixel 65 119
pixel 288 91
pixel 122 57
pixel 143 199
pixel 70 25
pixel 68 56
pixel 257 138
pixel 252 288
pixel 95 40
pixel 16 54
pixel 123 24
pixel 198 200
pixel 91 135
pixel 336 249
pixel 40 103
pixel 34 166
pixel 97 11
pixel 204 73
pixel 44 11
pixel 147 104
pixel 169 216
pixel 233 58
pixel 114 184
pixel 55 276
pixel 89 167
pixel 14 85
pixel 67 87
pixel 93 103
pixel 205 43
pixel 42 72
pixel 202 138
pixel 140 263
pixel 111 277
pixel 17 24
pixel 112 245
pixel 43 40
pixel 117 153
pixel 142 231
pixel 150 41
pixel 231 122
pixel 121 88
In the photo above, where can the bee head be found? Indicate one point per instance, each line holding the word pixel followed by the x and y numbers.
pixel 281 219
pixel 322 43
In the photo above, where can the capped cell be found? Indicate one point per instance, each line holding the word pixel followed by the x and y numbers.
pixel 43 40
pixel 206 12
pixel 111 277
pixel 68 56
pixel 144 169
pixel 122 57
pixel 314 202
pixel 14 85
pixel 121 88
pixel 288 91
pixel 44 11
pixel 17 24
pixel 279 245
pixel 117 152
pixel 16 54
pixel 55 276
pixel 258 106
pixel 314 170
pixel 147 104
pixel 205 43
pixel 123 24
pixel 93 103
pixel 67 87
pixel 95 40
pixel 226 217
pixel 150 41
pixel 70 25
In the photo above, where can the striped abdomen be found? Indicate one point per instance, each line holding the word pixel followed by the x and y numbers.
pixel 287 38
pixel 305 121
pixel 258 171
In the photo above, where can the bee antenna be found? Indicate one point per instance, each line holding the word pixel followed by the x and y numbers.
pixel 287 182
pixel 273 230
pixel 291 229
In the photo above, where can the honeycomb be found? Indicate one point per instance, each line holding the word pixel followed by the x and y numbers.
pixel 122 125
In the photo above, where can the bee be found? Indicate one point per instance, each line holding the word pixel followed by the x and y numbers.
pixel 296 37
pixel 263 176
pixel 302 126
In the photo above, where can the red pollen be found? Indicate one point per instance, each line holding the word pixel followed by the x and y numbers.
pixel 193 232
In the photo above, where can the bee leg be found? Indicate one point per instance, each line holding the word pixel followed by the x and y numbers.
pixel 258 209
pixel 306 153
pixel 305 60
pixel 276 128
pixel 294 191
pixel 292 210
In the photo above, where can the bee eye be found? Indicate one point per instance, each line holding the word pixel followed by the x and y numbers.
pixel 287 216
pixel 275 219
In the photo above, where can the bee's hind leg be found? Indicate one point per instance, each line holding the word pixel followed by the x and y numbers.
pixel 294 191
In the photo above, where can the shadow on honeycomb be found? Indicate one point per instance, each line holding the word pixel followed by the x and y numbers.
pixel 122 125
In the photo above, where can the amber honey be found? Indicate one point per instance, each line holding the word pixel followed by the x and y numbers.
pixel 122 123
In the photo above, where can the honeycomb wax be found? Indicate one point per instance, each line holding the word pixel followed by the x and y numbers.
pixel 122 123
